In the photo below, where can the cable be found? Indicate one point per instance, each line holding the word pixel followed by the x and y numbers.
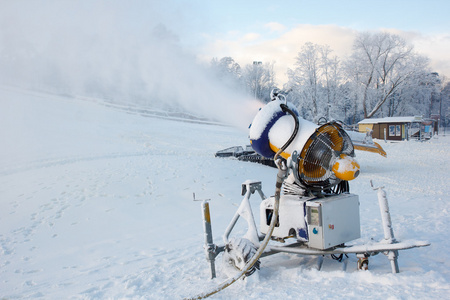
pixel 261 249
pixel 282 174
pixel 339 258
pixel 285 108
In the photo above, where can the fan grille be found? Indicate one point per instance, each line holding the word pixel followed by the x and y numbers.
pixel 320 152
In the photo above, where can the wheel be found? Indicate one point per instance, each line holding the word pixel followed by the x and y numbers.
pixel 363 263
pixel 237 253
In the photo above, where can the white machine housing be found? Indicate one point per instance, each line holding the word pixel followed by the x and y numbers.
pixel 321 223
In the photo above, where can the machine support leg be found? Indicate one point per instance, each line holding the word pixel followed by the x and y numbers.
pixel 210 248
pixel 319 262
pixel 387 227
pixel 392 255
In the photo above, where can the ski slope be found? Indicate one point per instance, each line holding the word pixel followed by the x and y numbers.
pixel 97 203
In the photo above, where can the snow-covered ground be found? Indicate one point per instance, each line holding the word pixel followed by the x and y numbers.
pixel 98 203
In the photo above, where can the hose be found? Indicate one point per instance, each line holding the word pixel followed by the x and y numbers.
pixel 282 174
pixel 280 178
pixel 285 108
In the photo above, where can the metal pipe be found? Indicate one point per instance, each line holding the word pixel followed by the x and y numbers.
pixel 210 250
pixel 387 227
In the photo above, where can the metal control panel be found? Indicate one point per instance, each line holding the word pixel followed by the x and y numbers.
pixel 332 220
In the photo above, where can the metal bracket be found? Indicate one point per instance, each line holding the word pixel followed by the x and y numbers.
pixel 211 249
pixel 252 187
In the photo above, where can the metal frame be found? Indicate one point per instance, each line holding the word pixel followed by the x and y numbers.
pixel 389 246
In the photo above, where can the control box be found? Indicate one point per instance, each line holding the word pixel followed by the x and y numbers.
pixel 332 220
pixel 291 217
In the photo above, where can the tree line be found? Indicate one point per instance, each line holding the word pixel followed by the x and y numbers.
pixel 382 77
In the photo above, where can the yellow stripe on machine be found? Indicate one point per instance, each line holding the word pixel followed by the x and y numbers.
pixel 276 149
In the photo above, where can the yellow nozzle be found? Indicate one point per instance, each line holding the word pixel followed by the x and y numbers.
pixel 346 168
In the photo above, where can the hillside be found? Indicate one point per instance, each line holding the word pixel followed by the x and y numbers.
pixel 97 203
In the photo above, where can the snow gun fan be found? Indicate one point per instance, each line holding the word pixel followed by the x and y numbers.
pixel 322 156
pixel 326 158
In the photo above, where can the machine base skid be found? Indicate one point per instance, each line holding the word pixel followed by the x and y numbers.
pixel 370 249
pixel 389 246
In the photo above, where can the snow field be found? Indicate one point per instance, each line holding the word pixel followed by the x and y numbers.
pixel 97 203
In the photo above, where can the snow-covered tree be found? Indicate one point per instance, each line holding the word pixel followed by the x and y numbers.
pixel 353 70
pixel 316 81
pixel 445 105
pixel 304 79
pixel 415 97
pixel 388 63
pixel 227 71
pixel 259 79
pixel 331 78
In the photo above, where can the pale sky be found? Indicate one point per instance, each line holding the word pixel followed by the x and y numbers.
pixel 246 30
pixel 274 31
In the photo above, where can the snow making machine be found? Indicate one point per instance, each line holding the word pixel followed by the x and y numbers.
pixel 312 211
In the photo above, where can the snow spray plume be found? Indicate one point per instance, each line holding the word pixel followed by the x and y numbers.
pixel 118 51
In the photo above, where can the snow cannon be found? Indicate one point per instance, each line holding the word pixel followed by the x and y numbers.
pixel 312 211
pixel 322 156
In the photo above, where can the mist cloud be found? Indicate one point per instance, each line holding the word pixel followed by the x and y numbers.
pixel 122 51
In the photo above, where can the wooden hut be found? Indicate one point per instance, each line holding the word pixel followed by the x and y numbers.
pixel 397 128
